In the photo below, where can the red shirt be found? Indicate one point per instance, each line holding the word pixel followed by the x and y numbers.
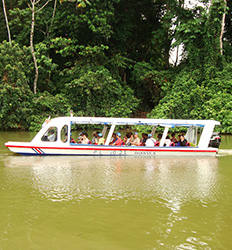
pixel 119 142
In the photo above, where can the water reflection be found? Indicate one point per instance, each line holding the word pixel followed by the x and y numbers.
pixel 163 190
pixel 174 180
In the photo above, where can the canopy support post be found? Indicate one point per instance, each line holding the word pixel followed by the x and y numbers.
pixel 164 136
pixel 104 130
pixel 110 134
pixel 153 131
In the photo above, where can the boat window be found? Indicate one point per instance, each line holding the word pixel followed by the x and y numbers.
pixel 64 133
pixel 50 134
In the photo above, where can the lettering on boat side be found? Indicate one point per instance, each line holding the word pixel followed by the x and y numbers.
pixel 113 152
pixel 145 153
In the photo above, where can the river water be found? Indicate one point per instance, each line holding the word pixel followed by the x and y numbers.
pixel 114 203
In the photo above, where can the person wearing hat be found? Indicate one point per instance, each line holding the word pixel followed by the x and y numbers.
pixel 80 137
pixel 95 138
pixel 101 140
pixel 136 140
pixel 150 142
pixel 85 139
pixel 119 141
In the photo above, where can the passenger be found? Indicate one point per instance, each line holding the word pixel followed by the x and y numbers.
pixel 144 138
pixel 95 138
pixel 159 137
pixel 136 140
pixel 173 138
pixel 80 137
pixel 114 138
pixel 127 138
pixel 85 139
pixel 119 141
pixel 150 142
pixel 167 141
pixel 182 142
pixel 101 139
pixel 52 136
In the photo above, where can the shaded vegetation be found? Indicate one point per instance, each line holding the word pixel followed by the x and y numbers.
pixel 112 58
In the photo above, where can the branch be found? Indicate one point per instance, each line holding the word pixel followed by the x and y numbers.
pixel 53 16
pixel 42 6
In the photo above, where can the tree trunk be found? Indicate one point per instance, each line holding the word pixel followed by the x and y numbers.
pixel 222 28
pixel 32 45
pixel 7 24
pixel 53 16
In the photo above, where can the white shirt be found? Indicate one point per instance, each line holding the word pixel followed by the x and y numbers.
pixel 167 142
pixel 150 142
pixel 51 137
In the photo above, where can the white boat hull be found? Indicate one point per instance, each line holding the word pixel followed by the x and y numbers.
pixel 95 150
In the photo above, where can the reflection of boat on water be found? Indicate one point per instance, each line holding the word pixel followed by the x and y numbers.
pixel 59 141
pixel 115 178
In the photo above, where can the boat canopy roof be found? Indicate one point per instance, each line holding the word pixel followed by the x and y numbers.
pixel 136 121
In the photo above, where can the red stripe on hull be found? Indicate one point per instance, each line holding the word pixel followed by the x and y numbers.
pixel 119 149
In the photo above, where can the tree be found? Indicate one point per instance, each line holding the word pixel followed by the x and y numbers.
pixel 15 95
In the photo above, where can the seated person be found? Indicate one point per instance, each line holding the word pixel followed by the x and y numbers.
pixel 113 140
pixel 127 138
pixel 119 141
pixel 159 137
pixel 144 138
pixel 80 137
pixel 167 141
pixel 100 139
pixel 173 138
pixel 52 136
pixel 135 141
pixel 95 138
pixel 85 139
pixel 150 142
pixel 182 142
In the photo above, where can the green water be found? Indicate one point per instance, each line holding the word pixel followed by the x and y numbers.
pixel 114 203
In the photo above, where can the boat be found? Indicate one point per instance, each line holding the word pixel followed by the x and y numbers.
pixel 61 129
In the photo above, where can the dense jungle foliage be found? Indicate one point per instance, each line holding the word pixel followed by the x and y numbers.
pixel 112 58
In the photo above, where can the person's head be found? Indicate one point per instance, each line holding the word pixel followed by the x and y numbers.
pixel 84 134
pixel 52 131
pixel 114 135
pixel 159 136
pixel 181 137
pixel 150 136
pixel 94 134
pixel 99 135
pixel 136 134
pixel 167 137
pixel 118 135
pixel 173 134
